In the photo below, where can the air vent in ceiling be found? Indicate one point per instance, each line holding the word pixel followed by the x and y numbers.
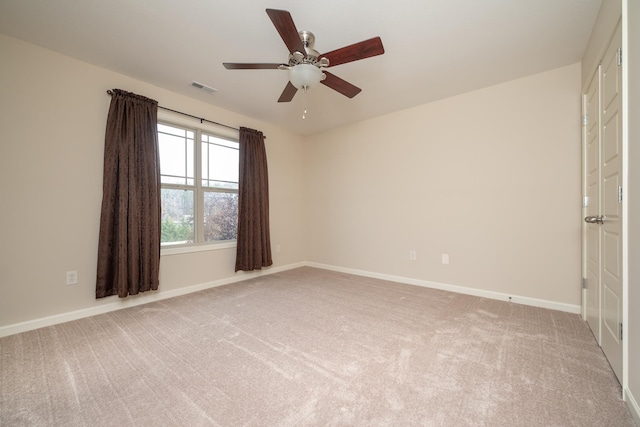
pixel 204 87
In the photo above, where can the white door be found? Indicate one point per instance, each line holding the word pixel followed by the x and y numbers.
pixel 611 205
pixel 592 188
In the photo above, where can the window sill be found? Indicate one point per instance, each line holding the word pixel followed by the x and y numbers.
pixel 196 248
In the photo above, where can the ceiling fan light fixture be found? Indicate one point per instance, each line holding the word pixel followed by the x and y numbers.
pixel 305 76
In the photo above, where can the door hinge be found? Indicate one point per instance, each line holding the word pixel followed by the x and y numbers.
pixel 619 56
pixel 620 331
pixel 585 120
pixel 585 283
pixel 619 194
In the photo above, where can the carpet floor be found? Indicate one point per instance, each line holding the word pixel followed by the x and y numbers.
pixel 310 347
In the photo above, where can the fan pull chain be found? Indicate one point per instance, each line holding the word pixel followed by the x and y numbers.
pixel 304 112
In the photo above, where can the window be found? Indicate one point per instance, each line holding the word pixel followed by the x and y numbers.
pixel 199 204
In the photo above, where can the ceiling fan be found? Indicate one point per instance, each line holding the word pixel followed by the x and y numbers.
pixel 306 66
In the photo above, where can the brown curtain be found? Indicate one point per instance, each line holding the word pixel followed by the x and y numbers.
pixel 129 242
pixel 254 246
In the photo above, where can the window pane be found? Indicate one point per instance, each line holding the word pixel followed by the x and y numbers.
pixel 191 156
pixel 177 156
pixel 205 164
pixel 220 216
pixel 219 162
pixel 223 163
pixel 177 216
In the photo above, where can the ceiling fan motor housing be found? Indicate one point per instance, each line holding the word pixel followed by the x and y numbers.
pixel 310 56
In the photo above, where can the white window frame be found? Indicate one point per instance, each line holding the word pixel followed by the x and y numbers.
pixel 229 134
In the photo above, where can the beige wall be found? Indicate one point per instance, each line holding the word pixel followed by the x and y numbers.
pixel 490 177
pixel 52 118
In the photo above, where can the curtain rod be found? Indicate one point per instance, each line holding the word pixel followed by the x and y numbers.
pixel 191 115
pixel 198 118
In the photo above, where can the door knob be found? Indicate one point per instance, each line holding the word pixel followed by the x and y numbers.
pixel 594 219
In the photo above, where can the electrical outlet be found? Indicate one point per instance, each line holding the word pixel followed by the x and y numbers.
pixel 72 277
pixel 278 249
pixel 445 258
pixel 412 255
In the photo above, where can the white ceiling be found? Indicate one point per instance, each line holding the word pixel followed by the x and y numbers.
pixel 433 48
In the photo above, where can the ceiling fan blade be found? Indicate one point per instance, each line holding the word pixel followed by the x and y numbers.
pixel 342 86
pixel 288 93
pixel 283 22
pixel 237 66
pixel 354 52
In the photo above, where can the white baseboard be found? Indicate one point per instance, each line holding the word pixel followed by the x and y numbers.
pixel 633 406
pixel 553 305
pixel 143 298
pixel 148 297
